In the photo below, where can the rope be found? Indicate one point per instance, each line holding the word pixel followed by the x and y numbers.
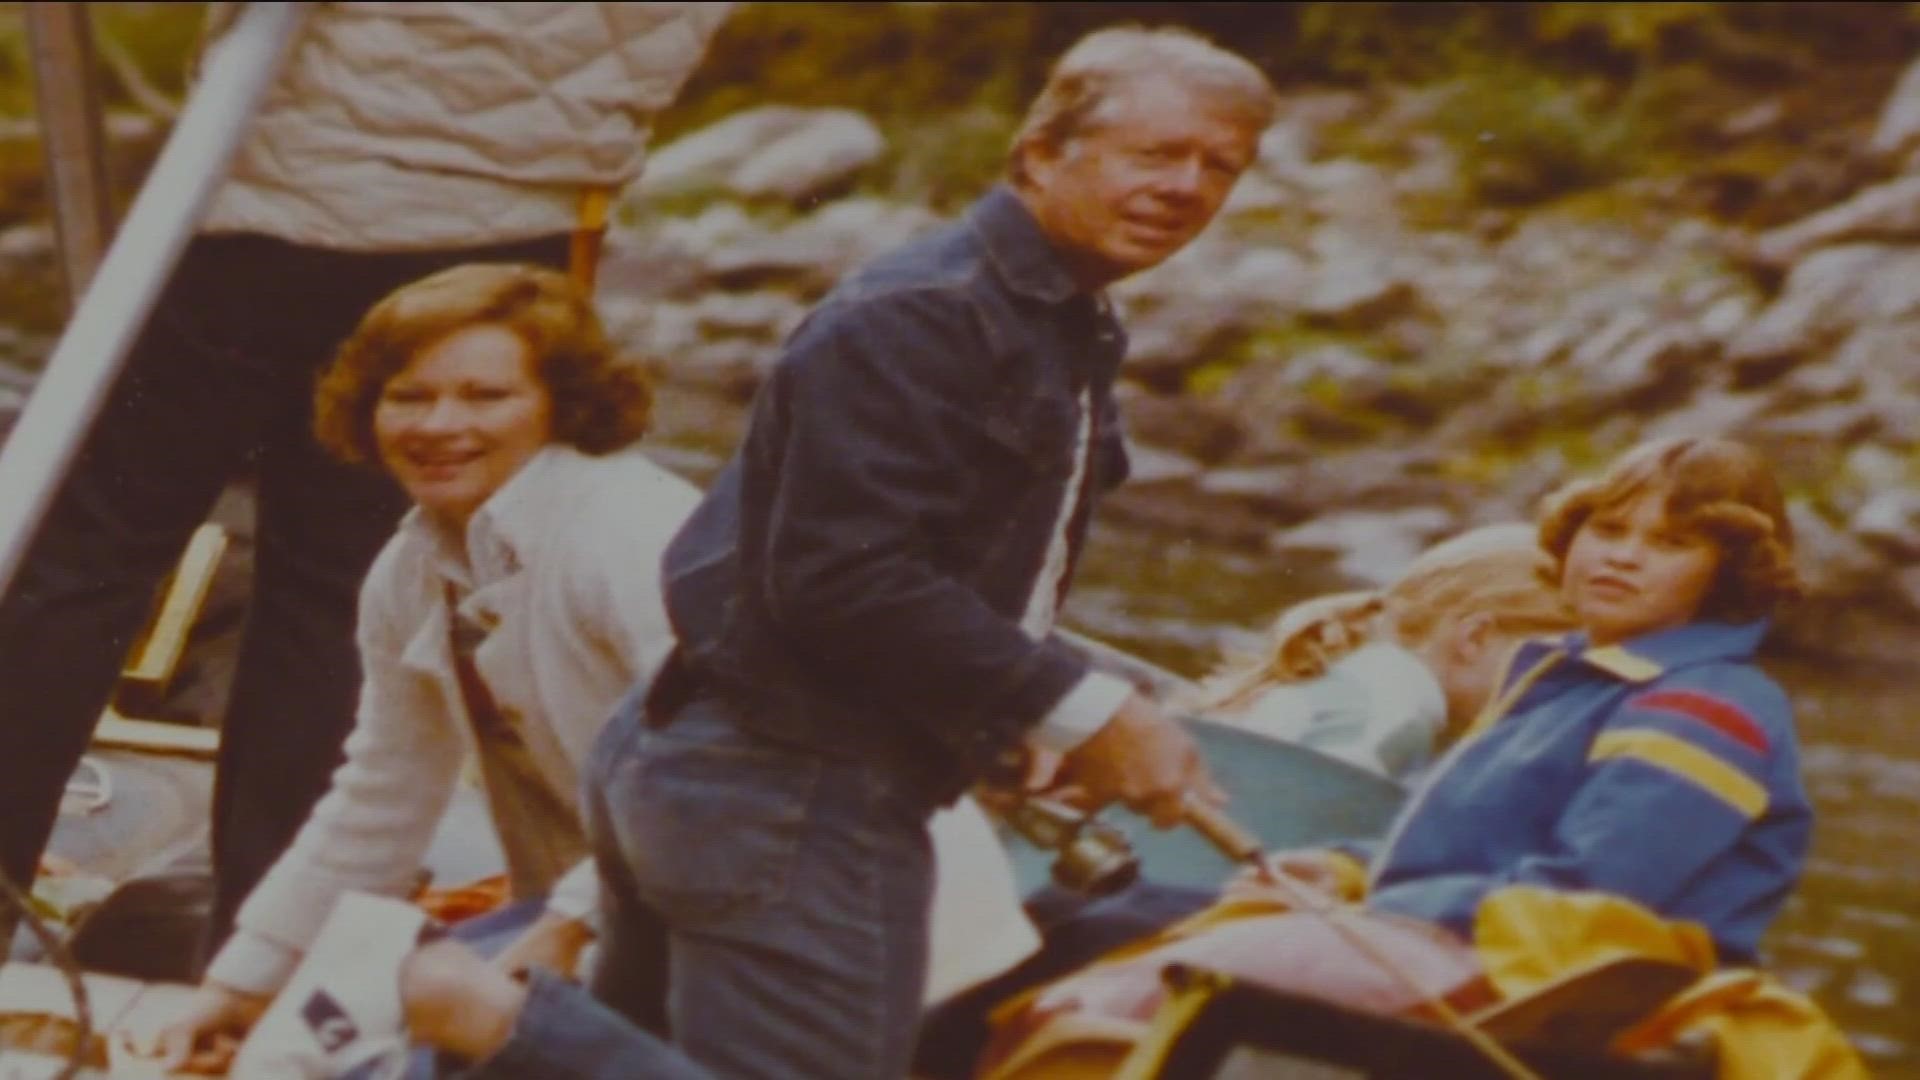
pixel 1316 904
pixel 57 952
pixel 1241 846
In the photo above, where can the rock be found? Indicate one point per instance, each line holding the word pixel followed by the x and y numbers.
pixel 1884 212
pixel 828 150
pixel 1359 290
pixel 1371 546
pixel 1256 194
pixel 1273 389
pixel 1906 586
pixel 761 316
pixel 1211 295
pixel 813 253
pixel 1890 523
pixel 1350 191
pixel 1186 425
pixel 1755 119
pixel 1169 341
pixel 668 256
pixel 775 151
pixel 1899 124
pixel 1826 296
pixel 1314 483
pixel 1726 316
pixel 705 159
pixel 1838 423
pixel 1833 564
pixel 729 367
pixel 1150 465
pixel 1875 468
pixel 1717 413
pixel 1650 373
pixel 33 240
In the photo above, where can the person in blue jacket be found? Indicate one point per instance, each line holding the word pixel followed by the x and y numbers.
pixel 1644 756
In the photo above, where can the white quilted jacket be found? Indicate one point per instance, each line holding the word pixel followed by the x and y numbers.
pixel 409 126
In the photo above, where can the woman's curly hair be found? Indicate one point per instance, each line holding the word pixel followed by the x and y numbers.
pixel 1720 489
pixel 600 402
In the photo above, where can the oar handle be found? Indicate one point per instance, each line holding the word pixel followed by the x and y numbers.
pixel 1233 840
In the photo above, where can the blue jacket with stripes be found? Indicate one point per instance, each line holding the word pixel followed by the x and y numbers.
pixel 1665 770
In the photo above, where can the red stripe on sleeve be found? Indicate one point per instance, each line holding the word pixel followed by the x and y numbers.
pixel 1723 716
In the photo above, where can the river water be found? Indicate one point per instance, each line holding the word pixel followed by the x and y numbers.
pixel 1850 936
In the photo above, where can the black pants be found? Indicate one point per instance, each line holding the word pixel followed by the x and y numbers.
pixel 221 380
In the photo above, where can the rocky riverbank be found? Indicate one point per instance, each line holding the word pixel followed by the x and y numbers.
pixel 1377 344
pixel 1343 365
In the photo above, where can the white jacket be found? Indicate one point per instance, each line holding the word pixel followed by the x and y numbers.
pixel 563 560
pixel 410 126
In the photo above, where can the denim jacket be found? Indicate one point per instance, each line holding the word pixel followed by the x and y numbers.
pixel 1665 770
pixel 855 577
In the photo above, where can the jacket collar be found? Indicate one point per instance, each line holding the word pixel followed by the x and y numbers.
pixel 1021 254
pixel 1649 656
pixel 500 534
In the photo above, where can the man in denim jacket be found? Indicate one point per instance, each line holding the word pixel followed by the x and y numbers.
pixel 865 599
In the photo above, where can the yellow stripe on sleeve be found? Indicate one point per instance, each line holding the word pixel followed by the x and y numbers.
pixel 1682 758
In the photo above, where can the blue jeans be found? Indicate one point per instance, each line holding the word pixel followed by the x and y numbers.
pixel 794 889
pixel 565 1033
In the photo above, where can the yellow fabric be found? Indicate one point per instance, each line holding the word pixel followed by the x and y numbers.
pixel 1617 661
pixel 1149 1056
pixel 1350 877
pixel 1682 758
pixel 1760 1030
pixel 1527 936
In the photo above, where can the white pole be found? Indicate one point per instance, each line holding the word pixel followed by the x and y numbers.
pixel 235 76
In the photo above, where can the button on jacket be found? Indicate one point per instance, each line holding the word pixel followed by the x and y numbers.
pixel 855 578
pixel 1665 770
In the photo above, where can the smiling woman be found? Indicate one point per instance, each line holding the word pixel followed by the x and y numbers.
pixel 508 613
pixel 461 419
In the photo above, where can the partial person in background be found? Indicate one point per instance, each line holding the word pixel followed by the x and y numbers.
pixel 399 139
pixel 1387 679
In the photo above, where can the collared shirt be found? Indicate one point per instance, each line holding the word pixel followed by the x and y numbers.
pixel 1097 696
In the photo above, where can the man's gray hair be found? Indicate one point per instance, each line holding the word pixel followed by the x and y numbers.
pixel 1085 78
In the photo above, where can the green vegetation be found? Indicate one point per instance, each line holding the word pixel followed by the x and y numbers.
pixel 155 41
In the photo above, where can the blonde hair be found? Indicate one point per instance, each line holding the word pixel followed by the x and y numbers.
pixel 1499 570
pixel 1088 75
pixel 600 403
pixel 1718 488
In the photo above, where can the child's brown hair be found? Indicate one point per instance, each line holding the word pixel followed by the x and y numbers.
pixel 1719 488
